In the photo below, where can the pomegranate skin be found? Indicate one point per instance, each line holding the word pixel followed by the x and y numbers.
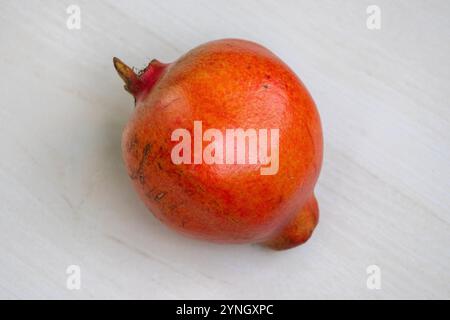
pixel 225 84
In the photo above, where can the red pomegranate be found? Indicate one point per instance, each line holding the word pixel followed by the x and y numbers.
pixel 186 164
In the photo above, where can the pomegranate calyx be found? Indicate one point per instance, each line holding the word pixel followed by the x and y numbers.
pixel 138 84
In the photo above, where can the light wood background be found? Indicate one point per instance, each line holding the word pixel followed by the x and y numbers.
pixel 65 197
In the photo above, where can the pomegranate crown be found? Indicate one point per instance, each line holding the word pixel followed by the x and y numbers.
pixel 137 84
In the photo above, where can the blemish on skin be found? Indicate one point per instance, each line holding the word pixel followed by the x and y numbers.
pixel 169 103
pixel 233 219
pixel 139 173
pixel 266 86
pixel 149 193
pixel 177 173
pixel 147 149
pixel 132 143
pixel 160 195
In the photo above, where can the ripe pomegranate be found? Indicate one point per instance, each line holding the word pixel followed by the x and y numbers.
pixel 224 84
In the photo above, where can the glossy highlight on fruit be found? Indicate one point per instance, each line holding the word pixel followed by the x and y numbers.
pixel 224 84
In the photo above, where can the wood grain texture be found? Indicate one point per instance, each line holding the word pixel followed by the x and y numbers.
pixel 65 197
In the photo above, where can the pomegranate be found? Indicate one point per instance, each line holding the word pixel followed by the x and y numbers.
pixel 182 152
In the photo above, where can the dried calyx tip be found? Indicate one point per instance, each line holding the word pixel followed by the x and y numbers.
pixel 131 79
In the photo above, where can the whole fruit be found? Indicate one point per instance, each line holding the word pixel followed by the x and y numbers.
pixel 222 85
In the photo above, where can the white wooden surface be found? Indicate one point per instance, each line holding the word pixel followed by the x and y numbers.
pixel 65 197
